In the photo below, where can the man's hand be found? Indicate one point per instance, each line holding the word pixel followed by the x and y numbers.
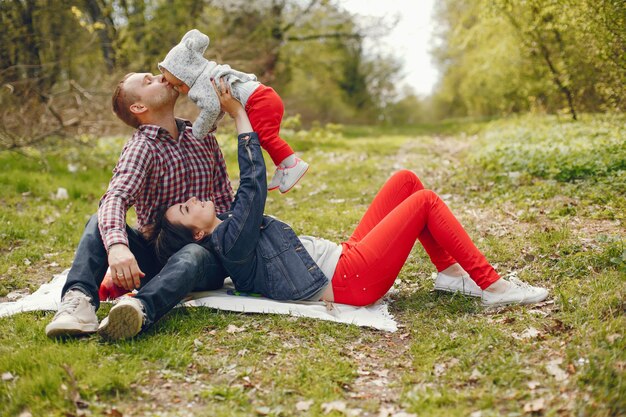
pixel 125 271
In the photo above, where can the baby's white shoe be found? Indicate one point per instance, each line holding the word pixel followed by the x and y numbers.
pixel 291 175
pixel 276 179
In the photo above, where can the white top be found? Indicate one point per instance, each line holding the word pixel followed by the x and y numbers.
pixel 244 90
pixel 324 252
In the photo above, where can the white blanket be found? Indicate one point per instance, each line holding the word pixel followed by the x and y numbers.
pixel 48 296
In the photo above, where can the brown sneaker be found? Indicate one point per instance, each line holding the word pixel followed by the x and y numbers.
pixel 124 321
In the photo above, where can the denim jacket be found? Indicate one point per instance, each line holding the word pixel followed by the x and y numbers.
pixel 262 254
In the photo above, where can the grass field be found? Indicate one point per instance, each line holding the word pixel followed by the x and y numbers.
pixel 543 198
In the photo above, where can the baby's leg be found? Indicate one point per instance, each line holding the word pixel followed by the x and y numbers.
pixel 265 110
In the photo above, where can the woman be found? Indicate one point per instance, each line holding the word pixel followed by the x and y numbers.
pixel 264 255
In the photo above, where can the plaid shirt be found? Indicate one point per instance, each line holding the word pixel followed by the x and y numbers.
pixel 155 171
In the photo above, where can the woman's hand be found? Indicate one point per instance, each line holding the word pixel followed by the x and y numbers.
pixel 228 103
pixel 232 106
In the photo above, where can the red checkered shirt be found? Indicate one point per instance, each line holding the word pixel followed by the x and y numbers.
pixel 155 171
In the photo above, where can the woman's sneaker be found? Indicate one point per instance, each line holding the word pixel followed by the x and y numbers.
pixel 292 174
pixel 76 316
pixel 124 321
pixel 464 285
pixel 518 292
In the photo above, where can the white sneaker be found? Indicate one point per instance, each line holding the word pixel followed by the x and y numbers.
pixel 518 292
pixel 464 285
pixel 276 179
pixel 292 174
pixel 125 320
pixel 76 316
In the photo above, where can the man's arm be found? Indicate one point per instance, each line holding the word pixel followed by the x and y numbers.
pixel 128 181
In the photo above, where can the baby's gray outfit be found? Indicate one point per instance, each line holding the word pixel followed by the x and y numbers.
pixel 186 62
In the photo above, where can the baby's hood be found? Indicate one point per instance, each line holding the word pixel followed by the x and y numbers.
pixel 186 61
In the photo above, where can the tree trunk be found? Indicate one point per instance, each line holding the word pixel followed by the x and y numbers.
pixel 105 34
pixel 30 57
pixel 556 76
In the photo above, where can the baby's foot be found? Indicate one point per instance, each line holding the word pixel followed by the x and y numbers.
pixel 291 175
pixel 276 179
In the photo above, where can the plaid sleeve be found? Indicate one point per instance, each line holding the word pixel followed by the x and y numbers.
pixel 222 190
pixel 129 177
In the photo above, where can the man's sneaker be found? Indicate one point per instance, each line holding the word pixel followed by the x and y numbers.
pixel 76 316
pixel 464 285
pixel 292 174
pixel 125 320
pixel 276 179
pixel 518 292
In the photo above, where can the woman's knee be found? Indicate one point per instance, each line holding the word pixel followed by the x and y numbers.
pixel 426 198
pixel 409 177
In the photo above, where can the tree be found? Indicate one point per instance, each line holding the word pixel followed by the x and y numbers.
pixel 511 55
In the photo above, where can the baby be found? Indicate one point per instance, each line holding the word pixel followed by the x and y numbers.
pixel 190 73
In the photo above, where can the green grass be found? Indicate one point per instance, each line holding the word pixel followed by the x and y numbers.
pixel 542 197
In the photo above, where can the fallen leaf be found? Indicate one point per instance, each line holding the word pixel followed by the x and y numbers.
pixel 385 410
pixel 535 405
pixel 475 375
pixel 234 329
pixel 263 411
pixel 613 337
pixel 384 373
pixel 533 384
pixel 334 406
pixel 555 370
pixel 530 333
pixel 114 412
pixel 304 405
pixel 571 369
pixel 439 369
pixel 380 382
pixel 7 376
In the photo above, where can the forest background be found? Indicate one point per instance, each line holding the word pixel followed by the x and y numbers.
pixel 524 137
pixel 60 60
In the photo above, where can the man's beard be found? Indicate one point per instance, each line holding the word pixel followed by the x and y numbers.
pixel 167 98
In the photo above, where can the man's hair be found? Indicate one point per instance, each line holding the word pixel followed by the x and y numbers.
pixel 122 100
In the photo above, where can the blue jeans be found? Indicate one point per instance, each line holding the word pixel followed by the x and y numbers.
pixel 193 268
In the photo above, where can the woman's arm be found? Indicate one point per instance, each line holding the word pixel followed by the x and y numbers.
pixel 240 232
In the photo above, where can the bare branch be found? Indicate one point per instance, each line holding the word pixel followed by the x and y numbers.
pixel 338 35
pixel 297 19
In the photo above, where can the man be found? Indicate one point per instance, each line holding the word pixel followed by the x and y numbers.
pixel 161 165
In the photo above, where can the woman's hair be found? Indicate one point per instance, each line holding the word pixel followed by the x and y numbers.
pixel 168 238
